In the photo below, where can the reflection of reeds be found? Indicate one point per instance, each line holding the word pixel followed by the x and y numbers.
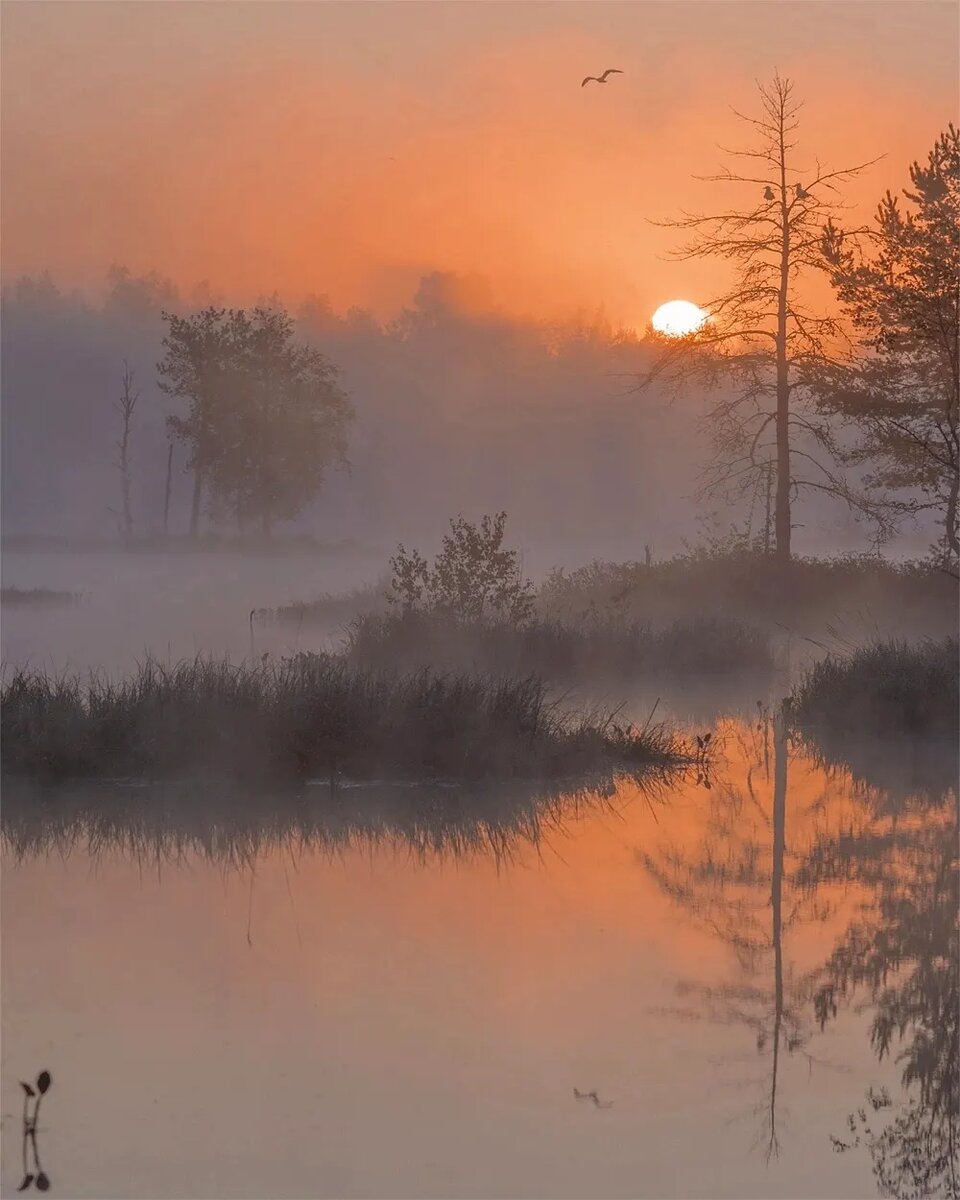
pixel 165 823
pixel 307 716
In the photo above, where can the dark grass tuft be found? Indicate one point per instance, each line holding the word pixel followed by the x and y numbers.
pixel 14 597
pixel 331 610
pixel 306 716
pixel 886 689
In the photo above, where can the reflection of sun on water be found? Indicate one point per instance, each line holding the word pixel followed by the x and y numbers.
pixel 678 318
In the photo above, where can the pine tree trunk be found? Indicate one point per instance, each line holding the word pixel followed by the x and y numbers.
pixel 776 899
pixel 950 521
pixel 782 503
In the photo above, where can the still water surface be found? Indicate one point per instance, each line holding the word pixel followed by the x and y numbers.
pixel 390 997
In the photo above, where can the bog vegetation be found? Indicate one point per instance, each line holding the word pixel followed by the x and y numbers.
pixel 310 716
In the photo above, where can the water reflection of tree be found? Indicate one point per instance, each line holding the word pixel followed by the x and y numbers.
pixel 903 953
pixel 741 883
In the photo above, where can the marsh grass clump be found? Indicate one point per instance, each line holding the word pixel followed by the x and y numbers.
pixel 331 609
pixel 587 649
pixel 860 593
pixel 38 598
pixel 886 689
pixel 305 716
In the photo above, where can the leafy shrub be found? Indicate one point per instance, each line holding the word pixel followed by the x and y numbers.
pixel 472 577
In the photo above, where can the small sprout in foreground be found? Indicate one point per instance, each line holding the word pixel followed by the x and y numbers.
pixel 27 1180
pixel 43 1082
pixel 43 1183
pixel 27 1088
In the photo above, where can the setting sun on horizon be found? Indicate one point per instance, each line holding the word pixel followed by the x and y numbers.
pixel 678 318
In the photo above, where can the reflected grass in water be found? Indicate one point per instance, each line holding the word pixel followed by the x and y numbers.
pixel 169 822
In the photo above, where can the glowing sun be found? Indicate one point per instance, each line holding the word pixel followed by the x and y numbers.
pixel 678 318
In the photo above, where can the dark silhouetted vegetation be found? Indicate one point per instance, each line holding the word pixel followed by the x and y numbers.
pixel 762 336
pixel 266 417
pixel 305 716
pixel 887 689
pixel 331 609
pixel 848 597
pixel 472 578
pixel 901 391
pixel 14 597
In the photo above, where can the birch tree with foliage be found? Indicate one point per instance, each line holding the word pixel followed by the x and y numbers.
pixel 265 419
pixel 901 388
pixel 762 339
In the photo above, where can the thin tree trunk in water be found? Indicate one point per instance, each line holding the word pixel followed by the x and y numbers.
pixel 782 510
pixel 125 477
pixel 167 490
pixel 776 901
pixel 126 404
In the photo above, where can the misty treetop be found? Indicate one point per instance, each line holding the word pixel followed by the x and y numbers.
pixel 265 417
pixel 472 577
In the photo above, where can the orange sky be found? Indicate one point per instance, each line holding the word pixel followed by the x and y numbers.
pixel 346 149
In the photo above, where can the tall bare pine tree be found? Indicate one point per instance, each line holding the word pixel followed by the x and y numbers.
pixel 763 337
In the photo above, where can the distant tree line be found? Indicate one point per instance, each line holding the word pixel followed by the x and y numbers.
pixel 858 404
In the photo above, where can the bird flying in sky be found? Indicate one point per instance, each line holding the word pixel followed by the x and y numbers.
pixel 601 78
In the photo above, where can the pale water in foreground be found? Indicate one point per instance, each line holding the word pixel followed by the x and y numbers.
pixel 360 1009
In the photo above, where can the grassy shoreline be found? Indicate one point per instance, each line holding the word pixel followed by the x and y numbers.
pixel 306 717
pixel 888 689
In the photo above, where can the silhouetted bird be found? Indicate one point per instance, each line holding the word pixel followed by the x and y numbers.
pixel 601 78
pixel 768 193
pixel 802 192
